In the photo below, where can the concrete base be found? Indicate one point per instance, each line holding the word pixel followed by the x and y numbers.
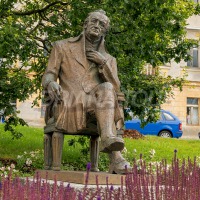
pixel 79 177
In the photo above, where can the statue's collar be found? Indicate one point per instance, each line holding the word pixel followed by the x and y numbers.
pixel 75 39
pixel 81 38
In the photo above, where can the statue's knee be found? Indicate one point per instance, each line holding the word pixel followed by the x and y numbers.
pixel 107 86
pixel 106 90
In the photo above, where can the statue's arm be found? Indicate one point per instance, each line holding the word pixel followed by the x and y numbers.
pixel 109 73
pixel 53 67
pixel 49 79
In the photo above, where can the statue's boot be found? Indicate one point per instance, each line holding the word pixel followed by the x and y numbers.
pixel 109 141
pixel 105 109
pixel 57 147
pixel 118 165
pixel 47 151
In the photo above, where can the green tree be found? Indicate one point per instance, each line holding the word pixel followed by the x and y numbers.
pixel 141 32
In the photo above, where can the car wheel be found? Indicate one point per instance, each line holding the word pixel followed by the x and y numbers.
pixel 165 134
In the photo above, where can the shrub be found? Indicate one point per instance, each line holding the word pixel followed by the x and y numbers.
pixel 28 162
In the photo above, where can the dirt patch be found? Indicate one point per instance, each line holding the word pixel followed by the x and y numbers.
pixel 133 134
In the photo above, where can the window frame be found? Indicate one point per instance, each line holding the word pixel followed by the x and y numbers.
pixel 191 106
pixel 194 62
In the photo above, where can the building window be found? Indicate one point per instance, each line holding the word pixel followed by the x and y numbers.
pixel 194 62
pixel 192 111
pixel 150 70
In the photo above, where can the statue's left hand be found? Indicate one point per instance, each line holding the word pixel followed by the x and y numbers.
pixel 55 91
pixel 95 57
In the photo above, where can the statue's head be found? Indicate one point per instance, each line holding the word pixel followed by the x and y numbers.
pixel 96 24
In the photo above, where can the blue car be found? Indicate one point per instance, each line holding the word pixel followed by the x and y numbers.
pixel 167 126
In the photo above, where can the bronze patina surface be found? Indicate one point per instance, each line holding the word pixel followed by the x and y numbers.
pixel 83 96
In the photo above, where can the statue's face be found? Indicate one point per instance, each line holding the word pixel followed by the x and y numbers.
pixel 97 26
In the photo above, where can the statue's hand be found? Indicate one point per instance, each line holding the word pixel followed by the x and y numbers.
pixel 55 91
pixel 95 57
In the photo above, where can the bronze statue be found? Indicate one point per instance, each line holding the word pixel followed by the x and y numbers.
pixel 87 99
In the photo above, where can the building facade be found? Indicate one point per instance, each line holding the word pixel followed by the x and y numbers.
pixel 186 104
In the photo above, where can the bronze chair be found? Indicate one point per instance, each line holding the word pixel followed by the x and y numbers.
pixel 53 144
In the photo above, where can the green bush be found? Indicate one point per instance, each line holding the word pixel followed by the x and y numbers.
pixel 28 162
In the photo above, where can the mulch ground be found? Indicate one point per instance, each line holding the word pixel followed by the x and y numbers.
pixel 132 134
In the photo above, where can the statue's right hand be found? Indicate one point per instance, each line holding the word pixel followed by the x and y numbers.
pixel 55 91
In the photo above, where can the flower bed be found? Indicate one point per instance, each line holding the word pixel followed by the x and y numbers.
pixel 179 181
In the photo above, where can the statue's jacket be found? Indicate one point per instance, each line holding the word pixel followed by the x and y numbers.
pixel 78 79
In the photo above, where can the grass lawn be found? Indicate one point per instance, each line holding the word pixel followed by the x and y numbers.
pixel 164 147
pixel 32 139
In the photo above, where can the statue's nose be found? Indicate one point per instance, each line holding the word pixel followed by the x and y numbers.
pixel 97 23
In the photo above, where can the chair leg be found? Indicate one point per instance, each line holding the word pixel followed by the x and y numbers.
pixel 57 147
pixel 94 153
pixel 47 151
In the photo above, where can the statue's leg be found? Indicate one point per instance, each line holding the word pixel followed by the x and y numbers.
pixel 57 147
pixel 47 151
pixel 105 109
pixel 118 165
pixel 94 153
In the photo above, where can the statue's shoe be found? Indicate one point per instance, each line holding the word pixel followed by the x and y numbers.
pixel 112 144
pixel 120 166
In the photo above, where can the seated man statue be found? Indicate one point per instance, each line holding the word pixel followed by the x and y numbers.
pixel 82 85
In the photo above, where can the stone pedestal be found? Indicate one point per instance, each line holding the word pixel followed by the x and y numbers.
pixel 79 177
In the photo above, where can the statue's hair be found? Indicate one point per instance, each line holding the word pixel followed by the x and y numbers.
pixel 97 11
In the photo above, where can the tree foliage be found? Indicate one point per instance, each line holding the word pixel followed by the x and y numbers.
pixel 141 32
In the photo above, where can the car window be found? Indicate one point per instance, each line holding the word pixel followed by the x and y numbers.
pixel 168 116
pixel 160 118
